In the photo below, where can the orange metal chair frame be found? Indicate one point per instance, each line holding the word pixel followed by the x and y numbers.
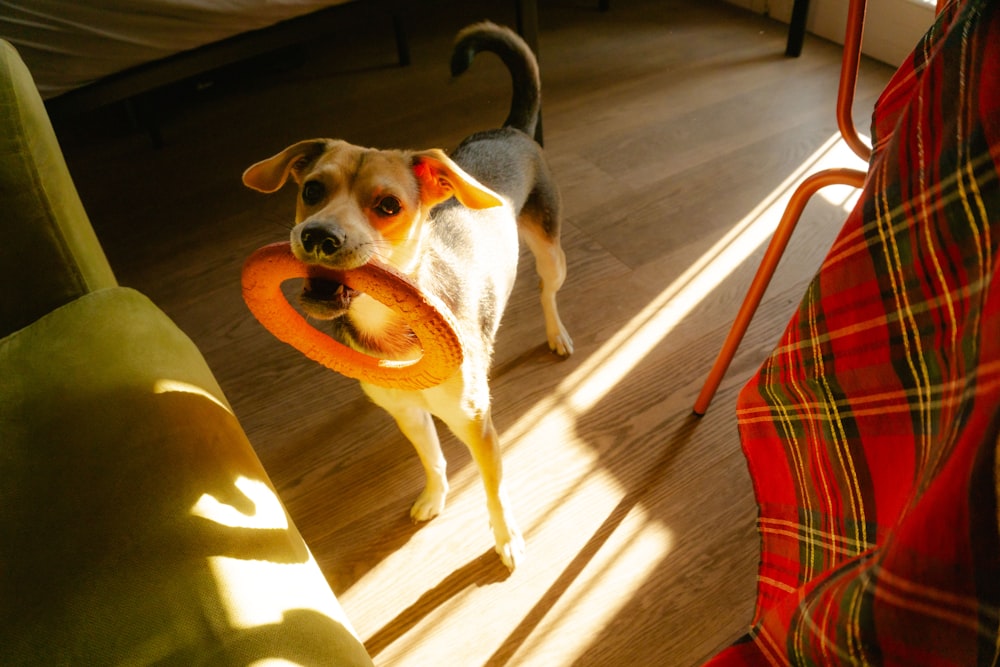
pixel 805 191
pixel 809 187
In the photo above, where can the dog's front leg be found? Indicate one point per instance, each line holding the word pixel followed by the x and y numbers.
pixel 480 436
pixel 418 427
pixel 417 424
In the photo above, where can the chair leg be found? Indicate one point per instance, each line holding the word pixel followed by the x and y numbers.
pixel 765 272
pixel 797 28
pixel 402 41
pixel 847 85
pixel 527 27
pixel 845 100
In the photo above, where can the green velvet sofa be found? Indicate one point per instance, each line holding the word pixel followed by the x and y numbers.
pixel 137 525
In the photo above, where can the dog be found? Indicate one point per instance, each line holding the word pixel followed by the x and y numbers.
pixel 451 225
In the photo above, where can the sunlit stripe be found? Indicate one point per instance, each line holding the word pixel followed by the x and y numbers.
pixel 631 343
pixel 614 576
pixel 600 372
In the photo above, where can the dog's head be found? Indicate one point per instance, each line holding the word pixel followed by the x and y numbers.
pixel 357 203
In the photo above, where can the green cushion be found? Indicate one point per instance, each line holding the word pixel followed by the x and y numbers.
pixel 137 523
pixel 49 254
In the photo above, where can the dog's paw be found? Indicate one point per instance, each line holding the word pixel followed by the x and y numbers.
pixel 429 504
pixel 510 547
pixel 560 342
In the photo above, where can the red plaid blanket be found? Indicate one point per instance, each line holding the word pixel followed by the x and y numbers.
pixel 872 431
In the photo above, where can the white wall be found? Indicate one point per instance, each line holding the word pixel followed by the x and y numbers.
pixel 892 27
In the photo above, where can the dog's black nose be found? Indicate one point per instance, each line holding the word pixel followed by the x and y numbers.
pixel 322 239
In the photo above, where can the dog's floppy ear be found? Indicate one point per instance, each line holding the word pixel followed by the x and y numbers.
pixel 440 178
pixel 270 174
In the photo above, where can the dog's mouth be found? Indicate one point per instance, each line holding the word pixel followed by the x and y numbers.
pixel 326 299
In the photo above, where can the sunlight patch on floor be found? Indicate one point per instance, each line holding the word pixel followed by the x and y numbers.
pixel 599 592
pixel 616 553
pixel 621 563
pixel 843 196
pixel 604 369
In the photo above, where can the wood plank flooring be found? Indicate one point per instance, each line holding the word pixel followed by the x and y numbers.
pixel 672 125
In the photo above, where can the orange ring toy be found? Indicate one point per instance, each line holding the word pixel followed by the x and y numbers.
pixel 268 267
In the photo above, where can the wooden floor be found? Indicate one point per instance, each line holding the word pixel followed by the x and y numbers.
pixel 675 127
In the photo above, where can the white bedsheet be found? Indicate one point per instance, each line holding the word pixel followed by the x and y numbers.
pixel 71 43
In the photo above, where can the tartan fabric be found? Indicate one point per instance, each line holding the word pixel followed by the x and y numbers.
pixel 872 430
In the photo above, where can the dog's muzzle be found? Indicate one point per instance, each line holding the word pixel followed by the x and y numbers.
pixel 325 299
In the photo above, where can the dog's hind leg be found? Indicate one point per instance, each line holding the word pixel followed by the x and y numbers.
pixel 480 436
pixel 540 231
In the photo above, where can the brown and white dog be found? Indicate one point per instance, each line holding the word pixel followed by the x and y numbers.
pixel 451 225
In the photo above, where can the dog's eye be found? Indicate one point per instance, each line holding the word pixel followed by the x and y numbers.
pixel 388 206
pixel 313 192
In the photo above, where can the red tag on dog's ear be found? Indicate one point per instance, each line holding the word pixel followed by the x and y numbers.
pixel 434 187
pixel 422 170
pixel 440 178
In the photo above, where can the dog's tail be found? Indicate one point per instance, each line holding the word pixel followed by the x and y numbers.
pixel 520 61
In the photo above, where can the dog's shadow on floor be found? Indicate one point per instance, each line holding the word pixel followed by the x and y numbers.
pixel 540 356
pixel 365 543
pixel 485 570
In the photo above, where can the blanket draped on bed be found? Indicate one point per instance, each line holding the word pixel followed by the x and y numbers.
pixel 872 430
